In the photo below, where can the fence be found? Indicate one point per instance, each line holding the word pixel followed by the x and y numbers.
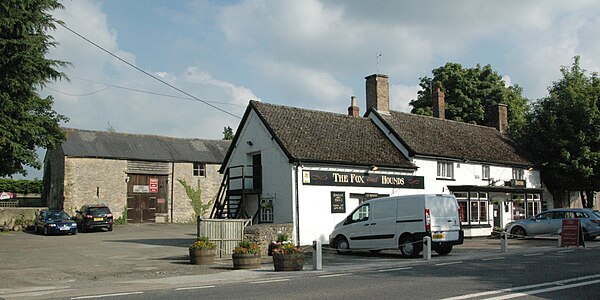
pixel 226 233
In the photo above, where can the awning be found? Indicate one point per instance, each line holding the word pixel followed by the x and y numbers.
pixel 7 195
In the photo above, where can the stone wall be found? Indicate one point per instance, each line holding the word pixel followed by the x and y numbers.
pixel 17 218
pixel 209 185
pixel 264 234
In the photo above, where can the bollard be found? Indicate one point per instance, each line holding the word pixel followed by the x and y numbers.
pixel 503 242
pixel 317 255
pixel 560 238
pixel 427 248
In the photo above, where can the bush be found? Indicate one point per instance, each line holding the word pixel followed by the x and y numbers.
pixel 21 186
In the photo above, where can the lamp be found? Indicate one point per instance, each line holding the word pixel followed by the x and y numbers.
pixel 374 168
pixel 127 178
pixel 250 143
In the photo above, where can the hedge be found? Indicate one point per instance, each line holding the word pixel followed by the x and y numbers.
pixel 21 186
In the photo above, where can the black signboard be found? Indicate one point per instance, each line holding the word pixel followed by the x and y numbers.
pixel 338 202
pixel 362 179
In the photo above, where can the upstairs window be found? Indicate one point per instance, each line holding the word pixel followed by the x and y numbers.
pixel 445 170
pixel 518 174
pixel 199 169
pixel 485 172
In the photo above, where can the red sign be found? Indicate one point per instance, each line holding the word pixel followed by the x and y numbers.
pixel 153 185
pixel 570 233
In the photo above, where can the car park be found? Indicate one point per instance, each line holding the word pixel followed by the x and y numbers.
pixel 549 222
pixel 55 222
pixel 94 216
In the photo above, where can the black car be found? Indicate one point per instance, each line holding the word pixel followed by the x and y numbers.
pixel 92 216
pixel 55 222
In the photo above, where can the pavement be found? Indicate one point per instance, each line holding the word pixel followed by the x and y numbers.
pixel 156 255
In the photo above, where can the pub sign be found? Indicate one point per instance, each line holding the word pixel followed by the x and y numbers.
pixel 333 178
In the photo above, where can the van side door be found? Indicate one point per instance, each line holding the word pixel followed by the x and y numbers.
pixel 357 227
pixel 382 227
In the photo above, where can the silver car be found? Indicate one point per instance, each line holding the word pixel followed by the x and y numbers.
pixel 549 222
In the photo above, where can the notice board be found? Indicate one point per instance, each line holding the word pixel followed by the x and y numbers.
pixel 571 233
pixel 338 202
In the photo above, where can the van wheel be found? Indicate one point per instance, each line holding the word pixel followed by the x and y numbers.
pixel 443 250
pixel 409 248
pixel 342 246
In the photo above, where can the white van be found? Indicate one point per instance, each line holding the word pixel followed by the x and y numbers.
pixel 400 222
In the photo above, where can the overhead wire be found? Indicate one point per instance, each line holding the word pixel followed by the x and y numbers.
pixel 148 74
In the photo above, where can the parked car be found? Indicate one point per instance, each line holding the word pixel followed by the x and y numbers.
pixel 549 222
pixel 55 222
pixel 400 222
pixel 92 216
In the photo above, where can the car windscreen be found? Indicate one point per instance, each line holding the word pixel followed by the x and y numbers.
pixel 597 213
pixel 96 211
pixel 61 215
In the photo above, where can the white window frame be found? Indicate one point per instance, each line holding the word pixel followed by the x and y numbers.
pixel 485 172
pixel 445 170
pixel 518 174
pixel 199 169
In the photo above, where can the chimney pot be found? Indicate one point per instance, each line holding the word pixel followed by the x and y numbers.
pixel 378 92
pixel 353 109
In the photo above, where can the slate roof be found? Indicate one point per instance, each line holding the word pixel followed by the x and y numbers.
pixel 317 136
pixel 430 136
pixel 105 144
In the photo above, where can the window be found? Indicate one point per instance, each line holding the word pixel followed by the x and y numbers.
pixel 518 201
pixel 518 174
pixel 473 207
pixel 445 170
pixel 361 214
pixel 199 169
pixel 534 205
pixel 266 210
pixel 485 172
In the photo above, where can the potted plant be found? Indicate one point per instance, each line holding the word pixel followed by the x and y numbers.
pixel 281 237
pixel 202 251
pixel 288 257
pixel 246 255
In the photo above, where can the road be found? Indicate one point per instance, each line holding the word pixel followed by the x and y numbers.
pixel 150 262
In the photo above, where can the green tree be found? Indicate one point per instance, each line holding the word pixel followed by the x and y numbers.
pixel 468 94
pixel 563 133
pixel 27 121
pixel 227 133
pixel 195 196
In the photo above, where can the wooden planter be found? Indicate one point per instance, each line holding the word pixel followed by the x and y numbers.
pixel 246 261
pixel 288 262
pixel 202 256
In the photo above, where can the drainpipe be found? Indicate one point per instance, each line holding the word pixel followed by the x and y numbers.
pixel 172 184
pixel 297 206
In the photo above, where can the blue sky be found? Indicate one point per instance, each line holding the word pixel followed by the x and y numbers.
pixel 311 54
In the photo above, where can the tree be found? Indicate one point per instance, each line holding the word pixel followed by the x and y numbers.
pixel 563 133
pixel 195 196
pixel 468 94
pixel 27 121
pixel 227 133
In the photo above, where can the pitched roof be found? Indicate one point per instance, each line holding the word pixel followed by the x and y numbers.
pixel 105 144
pixel 317 136
pixel 430 136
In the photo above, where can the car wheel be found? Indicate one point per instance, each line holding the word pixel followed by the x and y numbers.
pixel 342 246
pixel 45 230
pixel 443 250
pixel 409 247
pixel 110 228
pixel 74 232
pixel 519 232
pixel 587 236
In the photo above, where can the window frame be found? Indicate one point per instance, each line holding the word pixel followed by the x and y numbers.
pixel 485 172
pixel 518 174
pixel 445 170
pixel 199 169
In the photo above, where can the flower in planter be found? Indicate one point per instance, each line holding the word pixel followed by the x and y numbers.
pixel 247 247
pixel 287 247
pixel 203 243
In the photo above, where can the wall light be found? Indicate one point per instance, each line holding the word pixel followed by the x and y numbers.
pixel 250 143
pixel 374 168
pixel 127 179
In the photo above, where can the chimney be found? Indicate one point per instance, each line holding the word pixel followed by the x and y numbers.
pixel 378 92
pixel 439 104
pixel 353 109
pixel 497 116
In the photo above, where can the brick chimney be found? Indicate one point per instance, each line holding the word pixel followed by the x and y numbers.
pixel 353 109
pixel 439 104
pixel 497 116
pixel 378 92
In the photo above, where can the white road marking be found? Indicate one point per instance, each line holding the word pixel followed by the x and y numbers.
pixel 396 269
pixel 107 295
pixel 540 291
pixel 566 251
pixel 269 281
pixel 334 275
pixel 494 258
pixel 533 254
pixel 449 263
pixel 526 287
pixel 195 287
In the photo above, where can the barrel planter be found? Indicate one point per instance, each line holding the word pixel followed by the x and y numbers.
pixel 288 262
pixel 246 261
pixel 202 256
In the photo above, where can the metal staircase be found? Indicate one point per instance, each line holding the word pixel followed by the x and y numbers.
pixel 238 182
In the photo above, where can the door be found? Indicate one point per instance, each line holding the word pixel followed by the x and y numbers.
pixel 257 171
pixel 357 227
pixel 382 225
pixel 542 223
pixel 142 194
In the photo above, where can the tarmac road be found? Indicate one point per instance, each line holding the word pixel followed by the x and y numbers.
pixel 155 253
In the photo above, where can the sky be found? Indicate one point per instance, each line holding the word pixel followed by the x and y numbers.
pixel 310 54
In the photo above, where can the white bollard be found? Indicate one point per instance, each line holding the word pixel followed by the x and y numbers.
pixel 503 242
pixel 427 248
pixel 317 255
pixel 560 238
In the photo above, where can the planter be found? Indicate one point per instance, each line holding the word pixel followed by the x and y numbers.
pixel 202 256
pixel 288 262
pixel 246 261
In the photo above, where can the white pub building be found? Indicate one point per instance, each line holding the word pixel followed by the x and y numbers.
pixel 311 168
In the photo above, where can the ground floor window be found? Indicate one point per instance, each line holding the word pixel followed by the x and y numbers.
pixel 518 201
pixel 473 207
pixel 266 211
pixel 534 204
